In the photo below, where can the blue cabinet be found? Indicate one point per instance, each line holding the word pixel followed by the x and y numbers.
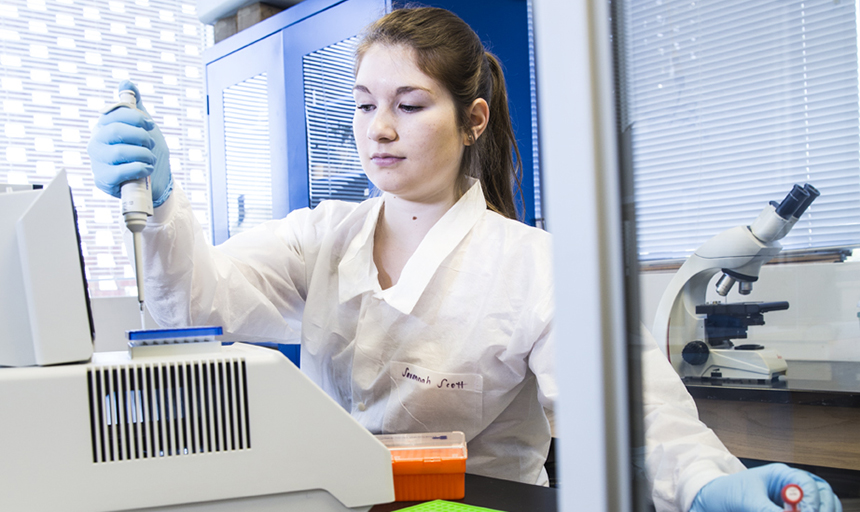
pixel 246 104
pixel 257 85
pixel 279 98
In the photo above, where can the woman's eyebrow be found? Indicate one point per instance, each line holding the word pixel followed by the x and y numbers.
pixel 409 88
pixel 400 90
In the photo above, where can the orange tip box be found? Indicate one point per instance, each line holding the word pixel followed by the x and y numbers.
pixel 430 466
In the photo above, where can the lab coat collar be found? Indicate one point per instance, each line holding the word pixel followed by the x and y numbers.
pixel 357 273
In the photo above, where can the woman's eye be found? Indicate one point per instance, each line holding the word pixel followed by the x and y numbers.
pixel 364 107
pixel 410 108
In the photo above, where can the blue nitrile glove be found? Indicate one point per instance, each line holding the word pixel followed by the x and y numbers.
pixel 126 145
pixel 758 490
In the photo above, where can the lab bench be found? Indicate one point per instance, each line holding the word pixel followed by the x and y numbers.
pixel 493 493
pixel 812 418
pixel 509 496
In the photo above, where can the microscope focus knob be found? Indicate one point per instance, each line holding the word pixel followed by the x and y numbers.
pixel 696 352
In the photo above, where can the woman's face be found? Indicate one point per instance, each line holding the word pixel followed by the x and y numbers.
pixel 405 127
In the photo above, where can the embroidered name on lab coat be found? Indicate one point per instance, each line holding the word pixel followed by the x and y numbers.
pixel 436 380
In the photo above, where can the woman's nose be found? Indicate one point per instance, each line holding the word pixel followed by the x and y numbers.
pixel 381 126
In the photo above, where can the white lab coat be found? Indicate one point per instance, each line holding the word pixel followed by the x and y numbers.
pixel 681 454
pixel 461 342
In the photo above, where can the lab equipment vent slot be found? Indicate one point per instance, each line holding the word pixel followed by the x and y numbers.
pixel 334 170
pixel 247 155
pixel 167 410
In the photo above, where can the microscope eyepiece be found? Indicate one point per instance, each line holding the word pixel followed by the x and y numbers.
pixel 812 195
pixel 792 201
pixel 776 220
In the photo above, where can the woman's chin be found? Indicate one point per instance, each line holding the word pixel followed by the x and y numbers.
pixel 387 184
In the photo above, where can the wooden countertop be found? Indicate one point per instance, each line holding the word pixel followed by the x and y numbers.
pixel 814 421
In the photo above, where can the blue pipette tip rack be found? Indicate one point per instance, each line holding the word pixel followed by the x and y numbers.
pixel 165 342
pixel 184 334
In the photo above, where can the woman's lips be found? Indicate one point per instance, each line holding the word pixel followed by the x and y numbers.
pixel 385 159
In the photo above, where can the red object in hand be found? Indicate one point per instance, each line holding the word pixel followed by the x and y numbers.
pixel 791 496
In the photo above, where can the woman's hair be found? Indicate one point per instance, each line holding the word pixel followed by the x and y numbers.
pixel 449 51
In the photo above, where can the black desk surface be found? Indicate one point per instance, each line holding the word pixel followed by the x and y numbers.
pixel 838 387
pixel 508 496
pixel 496 494
pixel 516 497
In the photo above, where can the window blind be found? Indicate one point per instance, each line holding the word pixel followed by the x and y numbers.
pixel 60 63
pixel 247 154
pixel 334 169
pixel 731 103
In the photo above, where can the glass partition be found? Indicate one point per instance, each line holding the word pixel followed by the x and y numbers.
pixel 743 143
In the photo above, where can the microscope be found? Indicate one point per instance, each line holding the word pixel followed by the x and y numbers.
pixel 698 335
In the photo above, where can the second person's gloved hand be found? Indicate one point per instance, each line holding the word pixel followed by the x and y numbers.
pixel 126 145
pixel 758 490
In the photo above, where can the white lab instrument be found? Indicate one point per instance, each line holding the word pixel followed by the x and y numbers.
pixel 136 197
pixel 44 315
pixel 235 428
pixel 738 253
pixel 162 427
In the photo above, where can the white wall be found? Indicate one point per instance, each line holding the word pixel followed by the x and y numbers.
pixel 113 316
pixel 821 322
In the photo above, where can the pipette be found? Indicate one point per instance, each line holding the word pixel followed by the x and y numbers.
pixel 136 196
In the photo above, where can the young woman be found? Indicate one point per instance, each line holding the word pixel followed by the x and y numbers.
pixel 425 309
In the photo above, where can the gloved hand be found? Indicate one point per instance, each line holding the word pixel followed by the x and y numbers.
pixel 758 490
pixel 126 145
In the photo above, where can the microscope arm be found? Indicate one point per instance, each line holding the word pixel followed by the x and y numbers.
pixel 738 253
pixel 688 287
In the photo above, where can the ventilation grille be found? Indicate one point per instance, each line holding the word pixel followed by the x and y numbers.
pixel 165 410
pixel 334 169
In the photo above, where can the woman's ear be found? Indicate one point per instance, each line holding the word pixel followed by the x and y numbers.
pixel 479 116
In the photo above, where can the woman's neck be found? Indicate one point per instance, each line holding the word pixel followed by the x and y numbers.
pixel 401 227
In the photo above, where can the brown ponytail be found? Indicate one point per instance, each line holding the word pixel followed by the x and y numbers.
pixel 497 163
pixel 450 52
